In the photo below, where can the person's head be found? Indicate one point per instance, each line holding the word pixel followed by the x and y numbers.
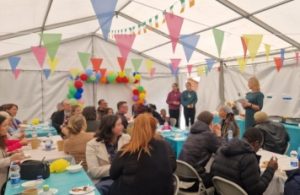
pixel 143 132
pixel 260 117
pixel 76 110
pixel 253 84
pixel 224 111
pixel 110 127
pixel 102 104
pixel 254 137
pixel 89 113
pixel 188 86
pixel 163 112
pixel 11 109
pixel 76 124
pixel 4 124
pixel 110 111
pixel 122 107
pixel 175 87
pixel 66 106
pixel 206 117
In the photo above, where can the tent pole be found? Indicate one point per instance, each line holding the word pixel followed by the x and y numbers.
pixel 222 84
pixel 42 91
pixel 45 20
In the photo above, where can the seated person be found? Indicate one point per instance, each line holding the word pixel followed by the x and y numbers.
pixel 13 133
pixel 151 108
pixel 90 115
pixel 163 115
pixel 101 150
pixel 292 184
pixel 237 161
pixel 122 113
pixel 144 165
pixel 75 144
pixel 228 122
pixel 275 136
pixel 201 143
pixel 60 117
pixel 12 110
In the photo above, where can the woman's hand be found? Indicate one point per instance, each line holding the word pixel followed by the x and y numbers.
pixel 24 141
pixel 17 156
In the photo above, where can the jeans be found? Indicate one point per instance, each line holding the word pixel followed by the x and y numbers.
pixel 104 186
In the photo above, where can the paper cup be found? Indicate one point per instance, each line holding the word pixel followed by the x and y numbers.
pixel 60 145
pixel 32 191
pixel 35 143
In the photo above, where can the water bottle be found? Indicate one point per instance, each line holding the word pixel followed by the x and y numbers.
pixel 229 135
pixel 34 133
pixel 14 174
pixel 294 159
pixel 46 190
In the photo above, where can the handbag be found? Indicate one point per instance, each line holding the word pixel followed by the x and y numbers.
pixel 34 169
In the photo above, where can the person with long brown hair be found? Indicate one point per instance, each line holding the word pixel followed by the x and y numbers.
pixel 144 165
pixel 5 159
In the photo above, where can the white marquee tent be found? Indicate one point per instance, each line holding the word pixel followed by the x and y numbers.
pixel 21 22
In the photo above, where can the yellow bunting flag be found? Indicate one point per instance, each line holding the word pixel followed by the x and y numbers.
pixel 267 51
pixel 52 64
pixel 182 6
pixel 254 41
pixel 242 63
pixel 149 64
pixel 201 70
pixel 192 3
pixel 74 72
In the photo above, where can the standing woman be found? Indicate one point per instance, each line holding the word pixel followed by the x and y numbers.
pixel 188 100
pixel 254 103
pixel 173 100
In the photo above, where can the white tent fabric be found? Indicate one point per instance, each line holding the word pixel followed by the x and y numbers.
pixel 22 22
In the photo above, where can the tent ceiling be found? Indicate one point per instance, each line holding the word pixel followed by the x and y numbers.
pixel 274 16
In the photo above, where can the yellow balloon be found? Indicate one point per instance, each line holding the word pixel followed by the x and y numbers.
pixel 138 77
pixel 59 166
pixel 142 95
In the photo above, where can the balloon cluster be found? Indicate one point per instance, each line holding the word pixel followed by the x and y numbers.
pixel 139 95
pixel 90 76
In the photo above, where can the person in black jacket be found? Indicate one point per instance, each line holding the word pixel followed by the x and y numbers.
pixel 145 165
pixel 59 117
pixel 292 184
pixel 275 135
pixel 201 143
pixel 237 161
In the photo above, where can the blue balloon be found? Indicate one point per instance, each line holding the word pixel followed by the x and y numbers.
pixel 98 76
pixel 89 72
pixel 77 96
pixel 80 90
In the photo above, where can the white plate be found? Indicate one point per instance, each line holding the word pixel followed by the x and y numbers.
pixel 89 190
pixel 52 190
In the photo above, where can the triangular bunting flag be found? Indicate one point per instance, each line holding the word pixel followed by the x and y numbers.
pixel 96 63
pixel 84 59
pixel 189 43
pixel 174 65
pixel 51 42
pixel 47 73
pixel 152 72
pixel 122 63
pixel 14 61
pixel 267 51
pixel 278 63
pixel 192 3
pixel 17 73
pixel 219 38
pixel 40 54
pixel 105 11
pixel 103 72
pixel 201 70
pixel 254 41
pixel 242 63
pixel 282 51
pixel 189 68
pixel 297 58
pixel 124 42
pixel 52 64
pixel 210 63
pixel 149 64
pixel 244 43
pixel 74 72
pixel 128 72
pixel 136 63
pixel 174 24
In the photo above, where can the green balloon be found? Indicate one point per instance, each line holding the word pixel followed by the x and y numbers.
pixel 72 90
pixel 111 78
pixel 140 88
pixel 93 78
pixel 70 96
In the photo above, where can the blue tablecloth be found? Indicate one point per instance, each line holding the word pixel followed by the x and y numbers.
pixel 293 131
pixel 61 181
pixel 41 130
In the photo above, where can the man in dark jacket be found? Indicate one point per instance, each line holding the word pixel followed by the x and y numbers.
pixel 59 117
pixel 200 145
pixel 275 135
pixel 237 161
pixel 292 184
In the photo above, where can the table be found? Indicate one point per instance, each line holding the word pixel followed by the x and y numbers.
pixel 276 186
pixel 61 181
pixel 176 137
pixel 42 130
pixel 293 131
pixel 40 153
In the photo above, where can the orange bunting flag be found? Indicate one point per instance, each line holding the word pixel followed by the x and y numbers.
pixel 192 3
pixel 278 63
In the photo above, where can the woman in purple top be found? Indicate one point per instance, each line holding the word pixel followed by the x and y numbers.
pixel 173 101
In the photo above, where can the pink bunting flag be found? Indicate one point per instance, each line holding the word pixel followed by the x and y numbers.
pixel 17 73
pixel 278 63
pixel 152 72
pixel 40 54
pixel 174 24
pixel 189 68
pixel 124 42
pixel 297 58
pixel 96 63
pixel 174 65
pixel 122 62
